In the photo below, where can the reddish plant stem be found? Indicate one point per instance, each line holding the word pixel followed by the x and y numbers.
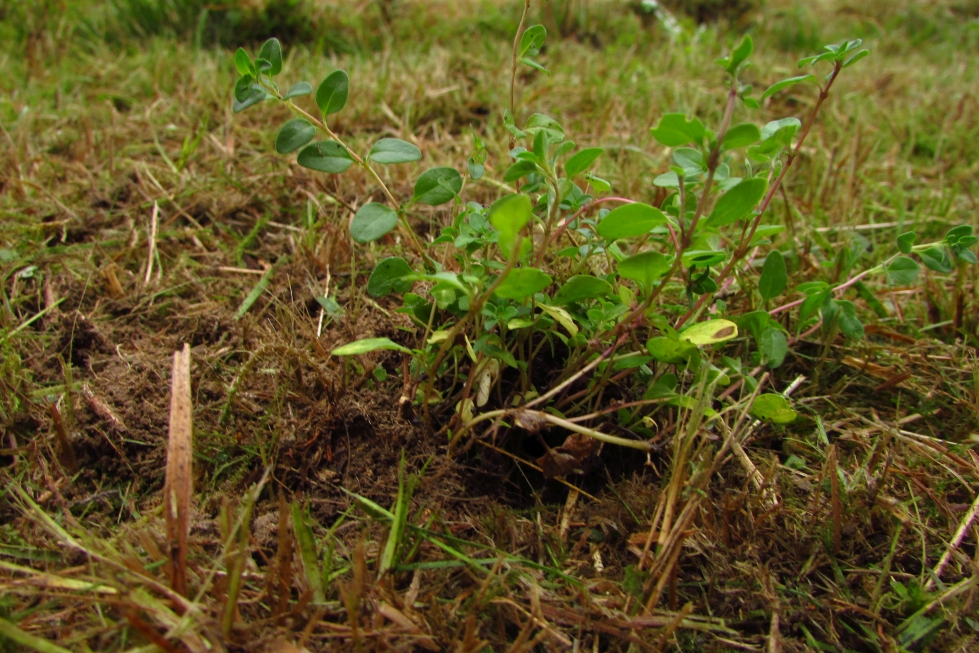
pixel 747 234
pixel 713 160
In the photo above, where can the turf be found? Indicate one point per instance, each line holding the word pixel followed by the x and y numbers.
pixel 139 213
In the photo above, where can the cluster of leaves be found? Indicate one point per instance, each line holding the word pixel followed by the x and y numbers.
pixel 553 269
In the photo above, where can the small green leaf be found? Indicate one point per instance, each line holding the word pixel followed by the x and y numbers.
pixel 675 130
pixel 906 241
pixel 600 185
pixel 703 258
pixel 394 150
pixel 247 94
pixel 813 303
pixel 773 277
pixel 630 220
pixel 668 179
pixel 955 234
pixel 539 122
pixel 293 135
pixel 785 83
pixel 429 190
pixel 245 87
pixel 644 268
pixel 372 221
pixel 581 287
pixel 272 52
pixel 527 61
pixel 666 350
pixel 936 258
pixel 331 96
pixel 509 215
pixel 902 271
pixel 331 307
pixel 325 156
pixel 710 332
pixel 520 169
pixel 774 408
pixel 738 202
pixel 244 63
pixel 773 346
pixel 298 89
pixel 368 345
pixel 855 58
pixel 522 283
pixel 740 54
pixel 754 323
pixel 781 131
pixel 765 232
pixel 388 276
pixel 691 160
pixel 532 39
pixel 582 160
pixel 741 136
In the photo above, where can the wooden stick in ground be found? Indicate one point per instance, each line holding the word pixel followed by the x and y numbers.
pixel 179 483
pixel 152 243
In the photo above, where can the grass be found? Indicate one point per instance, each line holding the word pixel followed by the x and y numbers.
pixel 850 529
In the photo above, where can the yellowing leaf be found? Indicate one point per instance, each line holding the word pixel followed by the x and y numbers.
pixel 710 332
pixel 562 317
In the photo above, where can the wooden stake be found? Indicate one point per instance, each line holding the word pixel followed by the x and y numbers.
pixel 179 486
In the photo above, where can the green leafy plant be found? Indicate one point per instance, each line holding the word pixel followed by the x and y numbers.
pixel 563 303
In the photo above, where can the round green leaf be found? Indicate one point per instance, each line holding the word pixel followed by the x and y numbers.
pixel 331 96
pixel 522 283
pixel 298 89
pixel 936 258
pixel 782 130
pixel 773 346
pixel 509 215
pixel 429 189
pixel 774 408
pixel 368 345
pixel 710 332
pixel 902 271
pixel 666 350
pixel 630 220
pixel 582 160
pixel 675 130
pixel 293 135
pixel 539 122
pixel 372 221
pixel 244 63
pixel 388 276
pixel 773 276
pixel 394 150
pixel 581 287
pixel 520 169
pixel 785 83
pixel 272 52
pixel 905 241
pixel 741 136
pixel 532 40
pixel 325 156
pixel 644 268
pixel 738 202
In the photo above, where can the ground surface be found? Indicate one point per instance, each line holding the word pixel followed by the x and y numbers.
pixel 115 141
